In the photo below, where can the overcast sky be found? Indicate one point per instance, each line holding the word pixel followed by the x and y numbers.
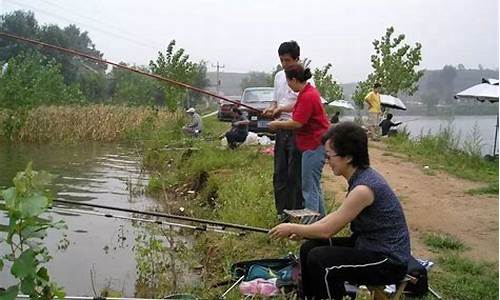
pixel 244 35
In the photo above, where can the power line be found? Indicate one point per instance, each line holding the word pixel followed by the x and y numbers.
pixel 80 24
pixel 66 9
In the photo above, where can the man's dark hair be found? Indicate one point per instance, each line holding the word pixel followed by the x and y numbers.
pixel 389 116
pixel 349 139
pixel 337 112
pixel 291 48
pixel 298 72
pixel 237 110
pixel 376 85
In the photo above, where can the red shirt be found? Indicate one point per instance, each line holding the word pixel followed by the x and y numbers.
pixel 309 112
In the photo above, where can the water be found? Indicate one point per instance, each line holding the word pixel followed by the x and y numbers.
pixel 461 124
pixel 95 173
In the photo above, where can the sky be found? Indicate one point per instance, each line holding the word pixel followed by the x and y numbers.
pixel 244 35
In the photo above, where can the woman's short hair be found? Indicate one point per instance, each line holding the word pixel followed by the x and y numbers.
pixel 349 139
pixel 298 72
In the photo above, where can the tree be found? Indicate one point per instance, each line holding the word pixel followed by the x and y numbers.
pixel 200 81
pixel 256 79
pixel 20 23
pixel 32 79
pixel 134 89
pixel 448 75
pixel 326 85
pixel 174 64
pixel 394 66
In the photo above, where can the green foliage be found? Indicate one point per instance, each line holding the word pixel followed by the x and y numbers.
pixel 31 79
pixel 441 151
pixel 393 66
pixel 135 89
pixel 174 64
pixel 256 79
pixel 461 278
pixel 73 69
pixel 443 241
pixel 326 85
pixel 25 202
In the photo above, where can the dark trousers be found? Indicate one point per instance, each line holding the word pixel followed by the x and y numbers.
pixel 287 172
pixel 235 136
pixel 327 264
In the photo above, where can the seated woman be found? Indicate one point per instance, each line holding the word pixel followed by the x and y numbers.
pixel 378 250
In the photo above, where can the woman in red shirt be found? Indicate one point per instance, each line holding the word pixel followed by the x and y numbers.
pixel 310 122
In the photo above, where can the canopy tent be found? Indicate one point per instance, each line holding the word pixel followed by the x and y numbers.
pixel 485 91
pixel 341 104
pixel 392 102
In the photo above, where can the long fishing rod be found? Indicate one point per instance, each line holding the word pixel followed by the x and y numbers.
pixel 223 225
pixel 142 220
pixel 81 54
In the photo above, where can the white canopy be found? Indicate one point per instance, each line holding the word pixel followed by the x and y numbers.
pixel 486 91
pixel 392 102
pixel 341 104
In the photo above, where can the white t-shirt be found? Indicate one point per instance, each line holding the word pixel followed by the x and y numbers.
pixel 283 94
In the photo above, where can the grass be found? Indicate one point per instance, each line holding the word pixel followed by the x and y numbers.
pixel 443 241
pixel 441 151
pixel 74 123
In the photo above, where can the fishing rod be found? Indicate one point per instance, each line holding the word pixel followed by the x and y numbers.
pixel 159 222
pixel 223 225
pixel 81 54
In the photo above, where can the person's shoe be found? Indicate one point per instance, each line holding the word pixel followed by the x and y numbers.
pixel 283 218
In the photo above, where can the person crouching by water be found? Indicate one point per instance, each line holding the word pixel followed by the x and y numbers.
pixel 239 128
pixel 193 128
pixel 310 122
pixel 378 251
pixel 386 125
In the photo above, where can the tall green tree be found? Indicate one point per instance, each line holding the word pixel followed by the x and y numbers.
pixel 32 79
pixel 174 64
pixel 21 23
pixel 131 88
pixel 394 66
pixel 326 85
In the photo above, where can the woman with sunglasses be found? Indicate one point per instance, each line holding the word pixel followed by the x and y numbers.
pixel 378 251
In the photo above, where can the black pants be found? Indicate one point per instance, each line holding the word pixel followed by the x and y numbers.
pixel 287 172
pixel 235 136
pixel 327 264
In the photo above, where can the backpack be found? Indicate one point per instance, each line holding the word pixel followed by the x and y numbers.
pixel 420 287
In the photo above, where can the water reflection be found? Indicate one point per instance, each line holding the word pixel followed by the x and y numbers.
pixel 95 252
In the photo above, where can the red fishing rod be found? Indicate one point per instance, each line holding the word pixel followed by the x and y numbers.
pixel 171 81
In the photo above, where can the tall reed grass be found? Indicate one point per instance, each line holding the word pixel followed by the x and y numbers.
pixel 104 123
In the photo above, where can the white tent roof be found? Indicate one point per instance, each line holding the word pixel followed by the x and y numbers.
pixel 486 91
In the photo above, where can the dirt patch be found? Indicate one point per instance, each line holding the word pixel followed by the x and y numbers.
pixel 434 202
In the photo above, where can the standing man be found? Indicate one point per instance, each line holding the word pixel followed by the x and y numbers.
pixel 374 110
pixel 287 158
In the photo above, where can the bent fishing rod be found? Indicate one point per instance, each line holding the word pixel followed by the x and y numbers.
pixel 223 225
pixel 97 59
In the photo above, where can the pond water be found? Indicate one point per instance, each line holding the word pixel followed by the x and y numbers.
pixel 100 252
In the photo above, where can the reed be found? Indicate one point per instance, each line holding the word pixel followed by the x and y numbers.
pixel 74 123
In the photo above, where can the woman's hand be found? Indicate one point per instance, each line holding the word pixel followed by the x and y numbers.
pixel 284 230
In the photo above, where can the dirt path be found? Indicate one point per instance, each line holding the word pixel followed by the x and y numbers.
pixel 434 203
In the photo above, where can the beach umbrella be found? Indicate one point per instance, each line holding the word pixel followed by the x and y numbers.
pixel 341 104
pixel 485 91
pixel 392 102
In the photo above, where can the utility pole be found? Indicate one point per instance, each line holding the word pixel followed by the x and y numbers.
pixel 218 66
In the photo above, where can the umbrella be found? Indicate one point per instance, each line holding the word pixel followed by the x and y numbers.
pixel 392 102
pixel 487 90
pixel 341 104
